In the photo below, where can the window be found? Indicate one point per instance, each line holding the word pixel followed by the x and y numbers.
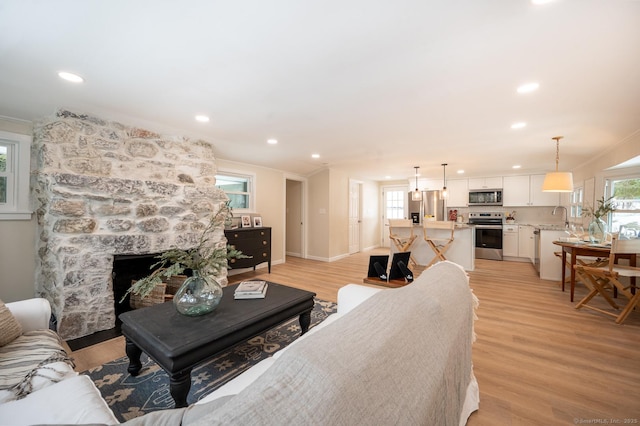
pixel 6 174
pixel 239 189
pixel 576 202
pixel 14 176
pixel 626 193
pixel 394 204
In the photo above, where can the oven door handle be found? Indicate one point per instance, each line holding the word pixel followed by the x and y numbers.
pixel 488 226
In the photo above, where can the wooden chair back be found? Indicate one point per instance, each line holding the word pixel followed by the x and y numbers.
pixel 401 233
pixel 608 277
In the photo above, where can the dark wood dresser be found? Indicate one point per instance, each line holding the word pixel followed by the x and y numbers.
pixel 254 242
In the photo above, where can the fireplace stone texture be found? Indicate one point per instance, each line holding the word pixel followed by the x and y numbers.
pixel 101 188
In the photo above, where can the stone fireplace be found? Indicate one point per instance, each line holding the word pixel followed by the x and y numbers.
pixel 102 189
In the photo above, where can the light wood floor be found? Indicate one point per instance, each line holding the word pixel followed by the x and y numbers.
pixel 538 360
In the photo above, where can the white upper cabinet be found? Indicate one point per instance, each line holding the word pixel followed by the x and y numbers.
pixel 527 191
pixel 425 184
pixel 515 191
pixel 539 198
pixel 458 192
pixel 485 183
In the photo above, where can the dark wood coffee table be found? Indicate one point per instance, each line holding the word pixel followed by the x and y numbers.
pixel 177 343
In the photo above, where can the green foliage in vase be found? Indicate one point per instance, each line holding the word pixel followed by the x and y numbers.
pixel 604 208
pixel 206 257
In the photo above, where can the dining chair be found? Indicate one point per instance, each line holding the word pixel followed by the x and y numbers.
pixel 583 261
pixel 608 277
pixel 439 243
pixel 401 233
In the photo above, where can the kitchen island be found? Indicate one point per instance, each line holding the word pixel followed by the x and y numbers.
pixel 462 250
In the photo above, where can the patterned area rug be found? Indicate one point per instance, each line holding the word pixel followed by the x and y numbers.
pixel 131 397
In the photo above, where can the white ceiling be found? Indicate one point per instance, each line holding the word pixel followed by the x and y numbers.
pixel 375 87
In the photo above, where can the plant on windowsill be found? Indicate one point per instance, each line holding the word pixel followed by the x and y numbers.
pixel 598 227
pixel 200 293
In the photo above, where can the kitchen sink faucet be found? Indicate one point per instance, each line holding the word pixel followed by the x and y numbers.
pixel 566 214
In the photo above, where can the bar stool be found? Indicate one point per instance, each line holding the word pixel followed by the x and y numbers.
pixel 439 244
pixel 401 233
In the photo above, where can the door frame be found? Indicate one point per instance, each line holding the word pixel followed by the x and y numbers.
pixel 358 243
pixel 303 214
pixel 384 223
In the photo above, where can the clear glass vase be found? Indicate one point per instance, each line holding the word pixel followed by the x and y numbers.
pixel 198 295
pixel 597 230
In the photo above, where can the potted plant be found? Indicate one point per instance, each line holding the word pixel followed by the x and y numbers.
pixel 598 227
pixel 200 293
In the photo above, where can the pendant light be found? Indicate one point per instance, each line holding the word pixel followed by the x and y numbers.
pixel 416 195
pixel 444 194
pixel 558 181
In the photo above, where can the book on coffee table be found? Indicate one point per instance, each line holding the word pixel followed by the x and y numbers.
pixel 251 290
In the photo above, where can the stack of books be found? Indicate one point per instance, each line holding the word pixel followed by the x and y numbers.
pixel 251 290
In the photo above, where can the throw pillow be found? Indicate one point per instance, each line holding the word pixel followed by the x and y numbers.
pixel 10 328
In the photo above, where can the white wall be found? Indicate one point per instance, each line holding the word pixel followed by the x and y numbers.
pixel 269 201
pixel 599 170
pixel 17 241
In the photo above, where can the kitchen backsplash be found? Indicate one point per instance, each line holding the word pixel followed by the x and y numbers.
pixel 524 215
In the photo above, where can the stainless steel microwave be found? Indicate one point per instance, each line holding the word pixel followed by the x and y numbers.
pixel 485 197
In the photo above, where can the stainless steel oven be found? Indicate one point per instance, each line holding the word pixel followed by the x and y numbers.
pixel 488 230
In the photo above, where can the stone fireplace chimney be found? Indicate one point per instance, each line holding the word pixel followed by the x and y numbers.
pixel 101 189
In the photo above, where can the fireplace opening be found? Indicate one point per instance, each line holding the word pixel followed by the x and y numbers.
pixel 128 268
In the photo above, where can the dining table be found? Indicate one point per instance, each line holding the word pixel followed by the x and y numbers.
pixel 584 248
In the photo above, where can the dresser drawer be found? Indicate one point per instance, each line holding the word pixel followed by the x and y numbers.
pixel 254 242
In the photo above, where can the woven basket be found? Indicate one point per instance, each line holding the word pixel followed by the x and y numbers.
pixel 174 283
pixel 157 295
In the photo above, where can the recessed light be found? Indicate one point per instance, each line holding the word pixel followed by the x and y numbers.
pixel 387 177
pixel 516 166
pixel 315 155
pixel 272 141
pixel 528 87
pixel 518 125
pixel 74 78
pixel 541 1
pixel 460 171
pixel 202 118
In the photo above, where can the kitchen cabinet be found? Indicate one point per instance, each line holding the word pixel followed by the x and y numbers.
pixel 458 192
pixel 526 242
pixel 254 242
pixel 485 183
pixel 550 264
pixel 539 198
pixel 526 190
pixel 510 241
pixel 425 184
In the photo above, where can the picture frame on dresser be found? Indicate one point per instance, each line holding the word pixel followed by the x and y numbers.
pixel 257 221
pixel 246 221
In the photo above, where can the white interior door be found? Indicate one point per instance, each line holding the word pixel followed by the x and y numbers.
pixel 354 216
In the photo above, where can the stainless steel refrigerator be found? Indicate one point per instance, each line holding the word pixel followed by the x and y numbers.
pixel 431 204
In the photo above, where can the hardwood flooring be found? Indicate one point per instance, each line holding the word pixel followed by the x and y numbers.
pixel 538 360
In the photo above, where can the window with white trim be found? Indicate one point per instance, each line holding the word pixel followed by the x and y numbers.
pixel 14 176
pixel 576 203
pixel 626 197
pixel 239 188
pixel 394 204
